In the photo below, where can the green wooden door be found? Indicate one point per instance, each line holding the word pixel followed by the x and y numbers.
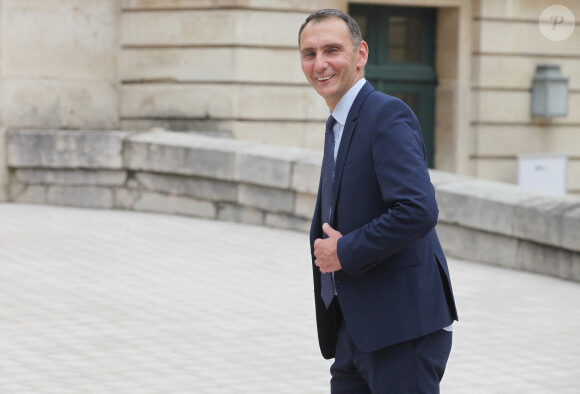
pixel 402 58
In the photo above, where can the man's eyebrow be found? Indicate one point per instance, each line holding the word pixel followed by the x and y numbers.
pixel 327 46
pixel 333 45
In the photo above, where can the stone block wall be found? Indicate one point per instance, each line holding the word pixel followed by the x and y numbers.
pixel 502 224
pixel 59 64
pixel 231 67
pixel 169 172
pixel 507 47
pixel 227 67
pixel 241 181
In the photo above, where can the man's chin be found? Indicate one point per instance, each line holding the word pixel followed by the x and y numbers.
pixel 324 91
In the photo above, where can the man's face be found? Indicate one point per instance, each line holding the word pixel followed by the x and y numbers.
pixel 328 59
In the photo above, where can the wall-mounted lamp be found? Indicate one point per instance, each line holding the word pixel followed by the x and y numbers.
pixel 549 92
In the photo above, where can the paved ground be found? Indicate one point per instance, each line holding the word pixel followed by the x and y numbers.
pixel 121 302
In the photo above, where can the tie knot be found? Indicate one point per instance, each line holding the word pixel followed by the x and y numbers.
pixel 329 123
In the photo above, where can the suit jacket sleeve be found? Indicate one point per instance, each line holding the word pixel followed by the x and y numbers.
pixel 410 210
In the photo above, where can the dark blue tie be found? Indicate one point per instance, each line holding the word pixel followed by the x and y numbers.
pixel 327 174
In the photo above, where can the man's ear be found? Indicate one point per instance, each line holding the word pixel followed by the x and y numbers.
pixel 363 54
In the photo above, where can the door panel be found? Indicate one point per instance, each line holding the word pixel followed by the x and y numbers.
pixel 401 58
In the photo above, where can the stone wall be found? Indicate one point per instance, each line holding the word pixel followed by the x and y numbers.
pixel 220 178
pixel 231 67
pixel 169 172
pixel 58 64
pixel 508 45
pixel 223 67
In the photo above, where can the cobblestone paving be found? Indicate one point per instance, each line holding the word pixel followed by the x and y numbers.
pixel 122 302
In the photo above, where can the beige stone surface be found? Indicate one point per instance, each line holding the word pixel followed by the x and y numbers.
pixel 158 202
pixel 453 139
pixel 265 166
pixel 58 64
pixel 265 198
pixel 239 214
pixel 176 100
pixel 4 177
pixel 308 135
pixel 445 107
pixel 564 140
pixel 510 140
pixel 63 39
pixel 272 4
pixel 70 177
pixel 287 222
pixel 162 4
pixel 573 181
pixel 206 27
pixel 306 174
pixel 269 65
pixel 509 37
pixel 502 106
pixel 89 105
pixel 52 103
pixel 80 196
pixel 518 9
pixel 446 50
pixel 66 149
pixel 462 136
pixel 506 169
pixel 221 101
pixel 213 127
pixel 517 72
pixel 279 102
pixel 177 64
pixel 28 194
pixel 187 186
pixel 32 103
pixel 211 64
pixel 514 107
pixel 501 170
pixel 305 204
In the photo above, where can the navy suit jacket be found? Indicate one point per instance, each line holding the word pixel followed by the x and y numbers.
pixel 394 284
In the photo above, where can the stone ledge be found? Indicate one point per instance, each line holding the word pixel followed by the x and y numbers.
pixel 509 210
pixel 70 177
pixel 225 179
pixel 182 154
pixel 66 149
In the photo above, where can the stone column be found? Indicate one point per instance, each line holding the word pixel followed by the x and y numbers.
pixel 3 166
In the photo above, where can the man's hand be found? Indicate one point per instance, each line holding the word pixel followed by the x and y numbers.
pixel 325 250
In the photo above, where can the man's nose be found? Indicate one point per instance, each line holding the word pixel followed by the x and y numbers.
pixel 320 62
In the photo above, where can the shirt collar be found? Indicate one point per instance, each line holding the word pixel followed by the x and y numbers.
pixel 342 109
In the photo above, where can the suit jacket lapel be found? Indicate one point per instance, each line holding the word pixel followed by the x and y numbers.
pixel 347 133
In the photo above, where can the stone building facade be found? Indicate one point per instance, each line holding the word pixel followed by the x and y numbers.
pixel 231 67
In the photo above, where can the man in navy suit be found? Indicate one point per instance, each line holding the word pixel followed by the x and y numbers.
pixel 384 302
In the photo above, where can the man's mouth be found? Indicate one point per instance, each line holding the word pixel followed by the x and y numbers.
pixel 325 78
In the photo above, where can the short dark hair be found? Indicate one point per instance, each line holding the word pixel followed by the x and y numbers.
pixel 318 16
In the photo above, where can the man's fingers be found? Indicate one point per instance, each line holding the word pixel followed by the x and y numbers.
pixel 328 230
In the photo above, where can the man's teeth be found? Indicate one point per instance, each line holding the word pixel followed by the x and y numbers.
pixel 325 78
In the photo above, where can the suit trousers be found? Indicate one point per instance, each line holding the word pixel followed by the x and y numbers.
pixel 414 366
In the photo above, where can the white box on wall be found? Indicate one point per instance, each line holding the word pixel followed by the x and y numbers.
pixel 544 172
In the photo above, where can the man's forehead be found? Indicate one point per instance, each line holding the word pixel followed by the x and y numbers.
pixel 332 22
pixel 335 29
